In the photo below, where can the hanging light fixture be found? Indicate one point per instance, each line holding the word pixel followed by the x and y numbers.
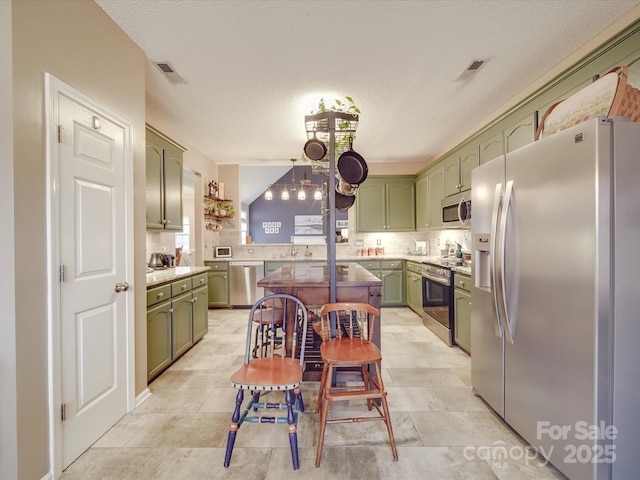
pixel 287 189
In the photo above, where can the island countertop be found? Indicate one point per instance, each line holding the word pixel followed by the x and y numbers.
pixel 314 275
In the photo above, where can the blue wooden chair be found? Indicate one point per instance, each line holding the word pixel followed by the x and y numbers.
pixel 273 363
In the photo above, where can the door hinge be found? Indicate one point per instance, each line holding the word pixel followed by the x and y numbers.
pixel 61 273
pixel 63 412
pixel 60 133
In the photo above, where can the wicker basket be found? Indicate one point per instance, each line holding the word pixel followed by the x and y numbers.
pixel 608 96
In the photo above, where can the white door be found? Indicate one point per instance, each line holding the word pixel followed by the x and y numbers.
pixel 92 241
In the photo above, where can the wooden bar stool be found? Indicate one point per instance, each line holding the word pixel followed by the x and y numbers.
pixel 264 371
pixel 351 347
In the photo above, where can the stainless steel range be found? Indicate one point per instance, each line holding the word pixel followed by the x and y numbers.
pixel 437 300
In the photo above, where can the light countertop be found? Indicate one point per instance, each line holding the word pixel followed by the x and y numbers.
pixel 161 276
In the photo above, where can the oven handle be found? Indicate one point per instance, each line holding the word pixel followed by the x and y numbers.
pixel 439 280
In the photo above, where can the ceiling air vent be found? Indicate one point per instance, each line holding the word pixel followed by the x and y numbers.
pixel 169 72
pixel 471 69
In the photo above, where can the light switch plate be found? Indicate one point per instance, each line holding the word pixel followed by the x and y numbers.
pixel 359 243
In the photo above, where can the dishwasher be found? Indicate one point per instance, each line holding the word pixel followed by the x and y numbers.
pixel 243 277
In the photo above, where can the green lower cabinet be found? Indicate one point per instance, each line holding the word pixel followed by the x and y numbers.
pixel 177 317
pixel 182 324
pixel 158 339
pixel 462 312
pixel 414 290
pixel 200 301
pixel 218 277
pixel 392 287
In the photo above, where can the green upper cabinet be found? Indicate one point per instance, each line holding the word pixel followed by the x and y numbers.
pixel 520 133
pixel 451 171
pixel 457 169
pixel 469 159
pixel 164 183
pixel 429 195
pixel 491 147
pixel 435 196
pixel 386 204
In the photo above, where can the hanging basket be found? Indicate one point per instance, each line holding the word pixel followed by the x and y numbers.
pixel 344 127
pixel 608 96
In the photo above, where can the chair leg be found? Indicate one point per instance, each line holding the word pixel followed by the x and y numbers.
pixel 323 377
pixel 324 410
pixel 387 417
pixel 233 429
pixel 298 399
pixel 293 434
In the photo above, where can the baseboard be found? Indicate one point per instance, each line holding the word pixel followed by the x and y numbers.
pixel 146 393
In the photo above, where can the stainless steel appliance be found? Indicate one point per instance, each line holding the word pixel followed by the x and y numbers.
pixel 437 300
pixel 243 279
pixel 554 319
pixel 456 211
pixel 222 252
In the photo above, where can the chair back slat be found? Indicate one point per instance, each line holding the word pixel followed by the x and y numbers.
pixel 276 322
pixel 354 320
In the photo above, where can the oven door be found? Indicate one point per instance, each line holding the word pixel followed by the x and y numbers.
pixel 436 299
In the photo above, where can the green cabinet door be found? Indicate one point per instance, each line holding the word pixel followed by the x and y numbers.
pixel 462 311
pixel 469 159
pixel 158 339
pixel 172 188
pixel 414 291
pixel 436 194
pixel 182 324
pixel 491 148
pixel 200 301
pixel 154 190
pixel 422 202
pixel 392 287
pixel 401 204
pixel 521 133
pixel 371 206
pixel 218 289
pixel 451 174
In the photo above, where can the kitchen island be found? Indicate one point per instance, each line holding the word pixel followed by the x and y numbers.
pixel 310 283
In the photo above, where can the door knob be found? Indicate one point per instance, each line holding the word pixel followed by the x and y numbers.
pixel 122 287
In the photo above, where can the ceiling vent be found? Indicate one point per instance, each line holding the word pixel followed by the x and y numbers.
pixel 471 69
pixel 169 72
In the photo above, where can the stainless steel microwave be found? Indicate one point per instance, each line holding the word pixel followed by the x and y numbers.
pixel 223 252
pixel 456 211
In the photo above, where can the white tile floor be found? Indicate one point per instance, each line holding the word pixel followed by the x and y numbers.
pixel 180 432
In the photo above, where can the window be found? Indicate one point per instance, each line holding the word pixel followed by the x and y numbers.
pixel 243 226
pixel 182 238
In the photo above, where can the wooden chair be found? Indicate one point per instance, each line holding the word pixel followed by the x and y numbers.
pixel 349 347
pixel 270 372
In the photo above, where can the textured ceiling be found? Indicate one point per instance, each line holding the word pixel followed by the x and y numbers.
pixel 254 69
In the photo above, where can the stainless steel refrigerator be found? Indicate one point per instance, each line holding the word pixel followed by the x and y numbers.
pixel 556 304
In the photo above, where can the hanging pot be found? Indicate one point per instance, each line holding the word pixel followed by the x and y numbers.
pixel 344 202
pixel 345 188
pixel 315 149
pixel 352 167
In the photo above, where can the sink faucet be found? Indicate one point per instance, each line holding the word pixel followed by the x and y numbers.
pixel 294 252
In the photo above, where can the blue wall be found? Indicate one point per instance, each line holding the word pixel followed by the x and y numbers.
pixel 282 213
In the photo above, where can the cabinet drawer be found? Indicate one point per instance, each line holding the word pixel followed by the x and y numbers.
pixel 372 265
pixel 180 286
pixel 218 266
pixel 391 264
pixel 158 294
pixel 199 280
pixel 462 282
pixel 414 267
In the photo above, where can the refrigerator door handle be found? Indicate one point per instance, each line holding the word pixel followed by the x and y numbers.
pixel 497 203
pixel 509 327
